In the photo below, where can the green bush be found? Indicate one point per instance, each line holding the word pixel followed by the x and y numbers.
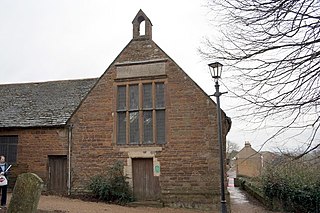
pixel 296 184
pixel 112 186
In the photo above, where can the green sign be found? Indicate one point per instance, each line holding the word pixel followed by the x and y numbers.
pixel 157 168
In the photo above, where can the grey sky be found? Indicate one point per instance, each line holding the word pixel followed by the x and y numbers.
pixel 44 40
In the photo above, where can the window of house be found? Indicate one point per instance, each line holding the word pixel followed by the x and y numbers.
pixel 8 148
pixel 141 113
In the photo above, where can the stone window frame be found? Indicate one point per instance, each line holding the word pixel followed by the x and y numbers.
pixel 140 109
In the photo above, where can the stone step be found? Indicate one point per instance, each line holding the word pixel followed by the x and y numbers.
pixel 154 204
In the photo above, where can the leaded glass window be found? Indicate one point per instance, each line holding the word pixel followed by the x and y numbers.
pixel 147 96
pixel 143 120
pixel 121 98
pixel 121 128
pixel 134 97
pixel 134 127
pixel 161 131
pixel 159 95
pixel 147 127
pixel 8 147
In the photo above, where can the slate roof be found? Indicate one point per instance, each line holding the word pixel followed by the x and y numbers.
pixel 41 104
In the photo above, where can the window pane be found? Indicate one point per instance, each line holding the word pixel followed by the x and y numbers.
pixel 160 95
pixel 8 148
pixel 4 150
pixel 147 96
pixel 147 127
pixel 161 130
pixel 121 98
pixel 134 96
pixel 12 153
pixel 134 128
pixel 121 137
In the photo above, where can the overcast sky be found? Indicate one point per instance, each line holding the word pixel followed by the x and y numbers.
pixel 45 40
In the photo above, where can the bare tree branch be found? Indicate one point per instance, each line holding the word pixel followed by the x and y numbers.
pixel 272 49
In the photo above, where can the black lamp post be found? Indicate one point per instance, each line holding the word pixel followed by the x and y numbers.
pixel 215 71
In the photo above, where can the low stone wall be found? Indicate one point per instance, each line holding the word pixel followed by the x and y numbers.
pixel 256 192
pixel 251 189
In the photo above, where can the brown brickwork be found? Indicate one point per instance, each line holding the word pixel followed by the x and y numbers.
pixel 34 147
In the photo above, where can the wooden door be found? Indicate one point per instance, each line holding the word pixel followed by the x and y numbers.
pixel 58 174
pixel 145 184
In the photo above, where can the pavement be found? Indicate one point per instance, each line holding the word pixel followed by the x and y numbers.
pixel 242 202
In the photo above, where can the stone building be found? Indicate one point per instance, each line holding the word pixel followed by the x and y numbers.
pixel 144 110
pixel 248 161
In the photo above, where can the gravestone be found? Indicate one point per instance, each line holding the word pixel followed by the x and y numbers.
pixel 26 194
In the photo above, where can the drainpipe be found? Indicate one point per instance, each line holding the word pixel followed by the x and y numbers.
pixel 69 157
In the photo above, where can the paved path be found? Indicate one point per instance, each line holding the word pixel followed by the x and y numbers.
pixel 241 202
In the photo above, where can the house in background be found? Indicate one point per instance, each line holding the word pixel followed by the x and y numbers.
pixel 144 111
pixel 248 162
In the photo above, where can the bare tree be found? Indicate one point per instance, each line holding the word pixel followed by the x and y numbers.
pixel 272 50
pixel 231 146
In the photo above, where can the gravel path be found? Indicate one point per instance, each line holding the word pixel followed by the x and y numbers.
pixel 240 203
pixel 56 204
pixel 62 204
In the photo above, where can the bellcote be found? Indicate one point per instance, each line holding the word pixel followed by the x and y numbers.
pixel 142 23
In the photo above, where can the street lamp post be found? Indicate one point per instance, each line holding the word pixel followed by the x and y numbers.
pixel 215 71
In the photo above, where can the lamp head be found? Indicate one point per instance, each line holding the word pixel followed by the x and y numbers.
pixel 215 70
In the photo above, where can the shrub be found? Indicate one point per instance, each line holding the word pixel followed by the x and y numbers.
pixel 112 186
pixel 295 184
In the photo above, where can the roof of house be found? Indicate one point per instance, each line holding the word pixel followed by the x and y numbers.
pixel 248 152
pixel 41 104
